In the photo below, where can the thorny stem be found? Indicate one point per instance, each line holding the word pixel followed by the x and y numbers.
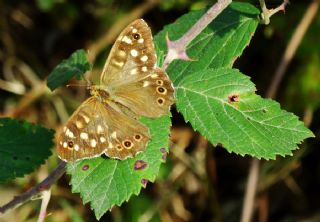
pixel 279 74
pixel 267 13
pixel 40 89
pixel 177 48
pixel 42 186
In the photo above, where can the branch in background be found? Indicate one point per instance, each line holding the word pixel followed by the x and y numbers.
pixel 295 41
pixel 30 97
pixel 250 191
pixel 29 194
pixel 46 194
pixel 95 48
pixel 267 13
pixel 292 47
pixel 177 48
pixel 39 89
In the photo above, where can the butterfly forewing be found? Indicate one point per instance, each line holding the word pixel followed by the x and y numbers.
pixel 132 54
pixel 97 128
pixel 134 80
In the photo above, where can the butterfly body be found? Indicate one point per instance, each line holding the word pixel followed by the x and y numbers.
pixel 130 86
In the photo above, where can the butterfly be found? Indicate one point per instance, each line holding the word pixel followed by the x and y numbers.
pixel 131 86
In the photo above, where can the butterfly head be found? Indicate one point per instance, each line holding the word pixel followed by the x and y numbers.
pixel 100 94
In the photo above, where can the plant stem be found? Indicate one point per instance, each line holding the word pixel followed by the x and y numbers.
pixel 271 93
pixel 292 47
pixel 267 13
pixel 177 48
pixel 44 185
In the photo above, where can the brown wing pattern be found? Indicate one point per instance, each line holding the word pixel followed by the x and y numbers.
pixel 131 86
pixel 97 128
pixel 151 96
pixel 132 54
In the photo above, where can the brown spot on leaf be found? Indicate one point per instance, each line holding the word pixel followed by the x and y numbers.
pixel 163 150
pixel 140 165
pixel 144 182
pixel 164 153
pixel 85 167
pixel 233 98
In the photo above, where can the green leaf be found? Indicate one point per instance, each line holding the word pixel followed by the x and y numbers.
pixel 76 65
pixel 218 45
pixel 107 182
pixel 222 106
pixel 23 147
pixel 45 5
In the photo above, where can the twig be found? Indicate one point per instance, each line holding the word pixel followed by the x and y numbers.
pixel 28 98
pixel 46 194
pixel 13 87
pixel 250 191
pixel 44 185
pixel 286 59
pixel 177 48
pixel 116 28
pixel 267 13
pixel 292 47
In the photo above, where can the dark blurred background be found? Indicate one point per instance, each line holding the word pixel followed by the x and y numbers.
pixel 199 182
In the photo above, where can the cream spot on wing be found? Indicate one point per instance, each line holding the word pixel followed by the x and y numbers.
pixel 153 76
pixel 110 146
pixel 141 40
pixel 76 147
pixel 121 53
pixel 65 144
pixel 86 118
pixel 133 72
pixel 93 143
pixel 144 58
pixel 102 139
pixel 69 133
pixel 61 143
pixel 134 52
pixel 146 83
pixel 117 63
pixel 84 136
pixel 64 129
pixel 144 69
pixel 127 40
pixel 114 134
pixel 134 30
pixel 99 129
pixel 79 124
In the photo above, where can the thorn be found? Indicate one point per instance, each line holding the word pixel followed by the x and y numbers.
pixel 184 56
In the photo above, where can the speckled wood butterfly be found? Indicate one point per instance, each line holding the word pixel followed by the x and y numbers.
pixel 130 86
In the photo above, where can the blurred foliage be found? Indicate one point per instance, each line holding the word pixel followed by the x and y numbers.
pixel 198 183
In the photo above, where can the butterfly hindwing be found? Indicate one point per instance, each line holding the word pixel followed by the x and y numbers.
pixel 97 128
pixel 151 96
